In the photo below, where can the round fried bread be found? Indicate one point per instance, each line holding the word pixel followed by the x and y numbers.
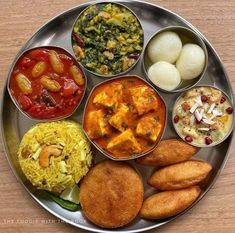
pixel 111 194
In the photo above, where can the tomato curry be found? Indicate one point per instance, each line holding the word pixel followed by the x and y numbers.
pixel 124 117
pixel 47 83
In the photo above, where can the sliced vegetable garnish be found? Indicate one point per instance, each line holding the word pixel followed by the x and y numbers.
pixel 71 194
pixel 63 203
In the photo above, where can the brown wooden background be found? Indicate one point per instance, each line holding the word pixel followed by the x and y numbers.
pixel 19 19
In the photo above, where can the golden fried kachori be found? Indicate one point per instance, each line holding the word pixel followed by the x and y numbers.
pixel 169 203
pixel 111 194
pixel 180 175
pixel 168 152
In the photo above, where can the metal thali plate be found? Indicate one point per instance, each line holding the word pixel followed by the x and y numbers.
pixel 57 32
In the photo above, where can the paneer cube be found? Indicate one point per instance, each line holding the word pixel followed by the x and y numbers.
pixel 149 128
pixel 144 99
pixel 110 97
pixel 98 124
pixel 119 120
pixel 124 143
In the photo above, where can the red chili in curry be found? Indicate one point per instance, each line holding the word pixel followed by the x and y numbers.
pixel 47 83
pixel 124 117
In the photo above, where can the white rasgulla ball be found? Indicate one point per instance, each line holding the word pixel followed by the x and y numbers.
pixel 164 75
pixel 165 47
pixel 191 61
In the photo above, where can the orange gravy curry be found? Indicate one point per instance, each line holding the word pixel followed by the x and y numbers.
pixel 124 117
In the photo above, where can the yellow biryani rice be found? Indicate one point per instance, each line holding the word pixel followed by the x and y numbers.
pixel 54 156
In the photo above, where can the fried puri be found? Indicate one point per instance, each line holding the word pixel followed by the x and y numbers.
pixel 180 175
pixel 111 194
pixel 168 152
pixel 169 203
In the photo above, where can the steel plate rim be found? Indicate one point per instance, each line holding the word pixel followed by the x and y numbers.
pixel 101 230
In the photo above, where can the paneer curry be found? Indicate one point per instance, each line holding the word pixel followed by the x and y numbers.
pixel 124 117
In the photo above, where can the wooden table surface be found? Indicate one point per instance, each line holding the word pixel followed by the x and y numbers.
pixel 20 19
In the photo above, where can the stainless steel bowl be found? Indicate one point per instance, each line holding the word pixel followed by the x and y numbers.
pixel 212 144
pixel 101 149
pixel 15 101
pixel 187 36
pixel 118 4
